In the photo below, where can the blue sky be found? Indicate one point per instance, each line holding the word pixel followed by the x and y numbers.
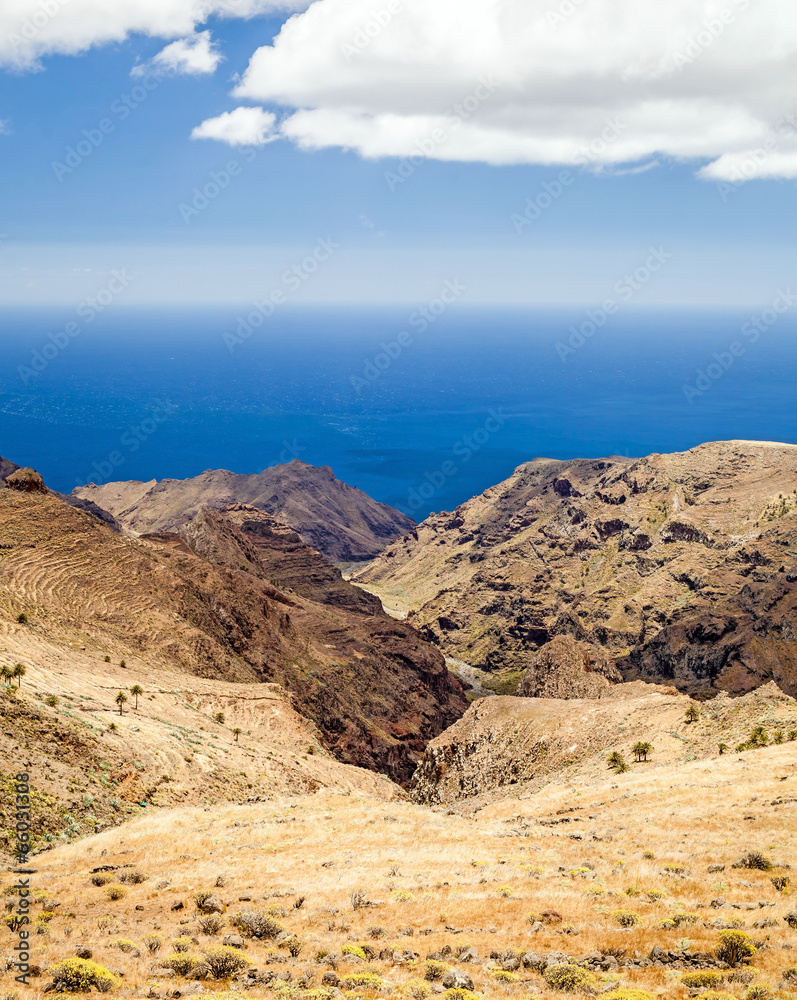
pixel 124 205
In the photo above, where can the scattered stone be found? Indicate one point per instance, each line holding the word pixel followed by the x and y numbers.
pixel 716 868
pixel 454 979
pixel 83 952
pixel 178 904
pixel 234 941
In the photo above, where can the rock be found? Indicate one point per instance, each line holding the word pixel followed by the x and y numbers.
pixel 26 481
pixel 178 904
pixel 330 978
pixel 469 955
pixel 454 979
pixel 791 918
pixel 717 903
pixel 564 668
pixel 234 941
pixel 510 964
pixel 213 904
pixel 83 952
pixel 537 926
pixel 716 868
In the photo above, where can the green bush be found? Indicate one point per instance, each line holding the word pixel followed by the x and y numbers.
pixel 434 970
pixel 716 995
pixel 705 977
pixel 361 980
pixel 458 994
pixel 568 978
pixel 626 918
pixel 790 975
pixel 125 945
pixel 755 860
pixel 153 943
pixel 354 949
pixel 629 994
pixel 223 962
pixel 102 878
pixel 734 947
pixel 115 892
pixel 505 977
pixel 211 923
pixel 182 963
pixel 132 876
pixel 182 944
pixel 758 992
pixel 79 975
pixel 418 989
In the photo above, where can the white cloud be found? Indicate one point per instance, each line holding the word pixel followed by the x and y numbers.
pixel 614 82
pixel 193 56
pixel 31 29
pixel 242 127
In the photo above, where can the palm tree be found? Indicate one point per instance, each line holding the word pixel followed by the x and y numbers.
pixel 7 673
pixel 723 747
pixel 219 717
pixel 136 690
pixel 236 733
pixel 19 672
pixel 616 762
pixel 121 698
pixel 641 751
pixel 692 714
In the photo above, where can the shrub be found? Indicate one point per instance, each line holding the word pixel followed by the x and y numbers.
pixel 625 918
pixel 629 994
pixel 153 943
pixel 115 892
pixel 361 980
pixel 705 977
pixel 401 896
pixel 293 946
pixel 353 949
pixel 79 975
pixel 716 995
pixel 504 890
pixel 182 963
pixel 684 919
pixel 182 944
pixel 755 860
pixel 533 918
pixel 458 994
pixel 200 897
pixel 654 895
pixel 568 978
pixel 125 945
pixel 790 975
pixel 780 882
pixel 735 946
pixel 505 977
pixel 256 924
pixel 102 878
pixel 223 962
pixel 133 876
pixel 744 975
pixel 759 992
pixel 418 989
pixel 434 970
pixel 212 923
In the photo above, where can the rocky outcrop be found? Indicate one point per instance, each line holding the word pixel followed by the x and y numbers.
pixel 25 481
pixel 679 567
pixel 341 522
pixel 564 668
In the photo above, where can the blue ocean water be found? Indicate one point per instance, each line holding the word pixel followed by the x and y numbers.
pixel 421 422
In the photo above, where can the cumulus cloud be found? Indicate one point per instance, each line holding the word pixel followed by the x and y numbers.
pixel 242 127
pixel 193 56
pixel 597 82
pixel 31 29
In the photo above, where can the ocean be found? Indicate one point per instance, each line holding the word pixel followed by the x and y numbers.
pixel 420 411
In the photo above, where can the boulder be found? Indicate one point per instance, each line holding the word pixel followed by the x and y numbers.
pixel 454 979
pixel 233 941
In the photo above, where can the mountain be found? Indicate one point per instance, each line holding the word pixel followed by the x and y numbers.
pixel 678 567
pixel 219 603
pixel 341 522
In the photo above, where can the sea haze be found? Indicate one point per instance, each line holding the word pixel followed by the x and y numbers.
pixel 142 394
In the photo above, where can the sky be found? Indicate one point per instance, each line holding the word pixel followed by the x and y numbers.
pixel 529 151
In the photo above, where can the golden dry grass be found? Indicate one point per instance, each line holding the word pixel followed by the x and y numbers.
pixel 461 879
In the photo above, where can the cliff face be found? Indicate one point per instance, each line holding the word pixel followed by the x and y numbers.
pixel 341 522
pixel 679 567
pixel 215 604
pixel 564 668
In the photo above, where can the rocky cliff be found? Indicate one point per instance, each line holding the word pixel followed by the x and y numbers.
pixel 678 567
pixel 341 522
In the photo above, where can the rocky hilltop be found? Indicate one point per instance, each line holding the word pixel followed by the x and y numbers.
pixel 236 598
pixel 341 522
pixel 677 567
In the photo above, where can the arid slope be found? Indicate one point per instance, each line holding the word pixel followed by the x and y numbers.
pixel 678 567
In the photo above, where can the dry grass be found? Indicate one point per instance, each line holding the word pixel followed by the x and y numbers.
pixel 452 879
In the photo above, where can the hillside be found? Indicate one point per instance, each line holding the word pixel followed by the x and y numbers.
pixel 511 747
pixel 375 690
pixel 678 568
pixel 637 896
pixel 338 520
